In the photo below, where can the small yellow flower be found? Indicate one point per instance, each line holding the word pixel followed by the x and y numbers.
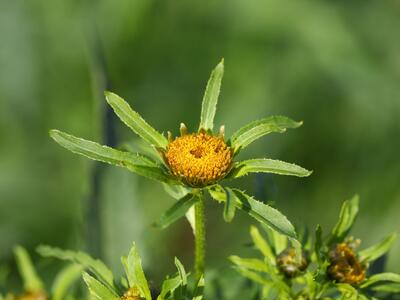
pixel 288 263
pixel 345 267
pixel 131 294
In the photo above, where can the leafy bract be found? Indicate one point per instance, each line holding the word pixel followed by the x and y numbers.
pixel 32 282
pixel 376 251
pixel 98 290
pixel 230 207
pixel 210 99
pixel 64 280
pixel 134 121
pixel 348 214
pixel 177 211
pixel 95 266
pixel 265 165
pixel 256 129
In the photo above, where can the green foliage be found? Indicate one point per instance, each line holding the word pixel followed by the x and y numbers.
pixel 97 289
pixel 64 280
pixel 376 251
pixel 31 280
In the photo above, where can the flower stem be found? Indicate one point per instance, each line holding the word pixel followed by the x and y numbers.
pixel 200 237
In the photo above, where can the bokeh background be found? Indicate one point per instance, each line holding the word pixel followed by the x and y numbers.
pixel 333 64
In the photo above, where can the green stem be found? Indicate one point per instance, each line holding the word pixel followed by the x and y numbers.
pixel 200 237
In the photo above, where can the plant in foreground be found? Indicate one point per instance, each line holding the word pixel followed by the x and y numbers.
pixel 330 268
pixel 195 163
pixel 33 286
pixel 102 284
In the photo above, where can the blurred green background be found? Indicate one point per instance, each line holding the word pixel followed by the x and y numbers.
pixel 333 64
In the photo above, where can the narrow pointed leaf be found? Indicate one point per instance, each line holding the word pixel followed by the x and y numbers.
pixel 210 98
pixel 348 214
pixel 136 163
pixel 264 165
pixel 318 243
pixel 98 290
pixel 261 244
pixel 95 266
pixel 382 277
pixel 229 208
pixel 134 121
pixel 135 274
pixel 256 129
pixel 182 275
pixel 249 263
pixel 376 251
pixel 177 211
pixel 32 282
pixel 169 286
pixel 198 291
pixel 64 280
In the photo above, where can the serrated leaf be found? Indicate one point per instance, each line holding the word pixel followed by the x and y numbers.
pixel 177 211
pixel 348 214
pixel 136 163
pixel 256 129
pixel 31 280
pixel 135 274
pixel 382 277
pixel 210 99
pixel 64 280
pixel 169 286
pixel 95 266
pixel 261 244
pixel 264 165
pixel 249 263
pixel 134 121
pixel 98 290
pixel 229 207
pixel 376 251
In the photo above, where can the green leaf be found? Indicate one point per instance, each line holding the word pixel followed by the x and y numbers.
pixel 181 271
pixel 267 166
pixel 98 290
pixel 198 291
pixel 376 251
pixel 249 263
pixel 169 286
pixel 256 129
pixel 318 243
pixel 210 98
pixel 388 288
pixel 177 211
pixel 348 214
pixel 32 282
pixel 254 276
pixel 64 280
pixel 387 277
pixel 348 292
pixel 135 274
pixel 261 244
pixel 229 208
pixel 264 213
pixel 136 163
pixel 96 266
pixel 134 121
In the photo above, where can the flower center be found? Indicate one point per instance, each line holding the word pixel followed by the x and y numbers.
pixel 199 159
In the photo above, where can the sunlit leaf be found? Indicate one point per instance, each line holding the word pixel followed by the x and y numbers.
pixel 169 286
pixel 249 263
pixel 376 251
pixel 135 274
pixel 348 214
pixel 256 277
pixel 177 211
pixel 98 290
pixel 264 165
pixel 31 280
pixel 256 129
pixel 382 277
pixel 134 121
pixel 210 99
pixel 64 280
pixel 261 244
pixel 95 266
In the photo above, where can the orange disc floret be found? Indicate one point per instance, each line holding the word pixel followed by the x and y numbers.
pixel 345 266
pixel 199 159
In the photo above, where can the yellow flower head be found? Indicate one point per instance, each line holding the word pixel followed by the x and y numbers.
pixel 199 159
pixel 345 266
pixel 131 294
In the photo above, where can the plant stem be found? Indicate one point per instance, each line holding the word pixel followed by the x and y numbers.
pixel 200 237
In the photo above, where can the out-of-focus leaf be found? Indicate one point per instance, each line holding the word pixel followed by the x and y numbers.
pixel 169 286
pixel 134 121
pixel 32 282
pixel 253 275
pixel 348 292
pixel 256 129
pixel 249 263
pixel 98 290
pixel 264 165
pixel 388 287
pixel 385 277
pixel 210 99
pixel 318 243
pixel 376 251
pixel 176 191
pixel 199 289
pixel 177 211
pixel 230 205
pixel 261 244
pixel 135 274
pixel 96 266
pixel 64 280
pixel 348 214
